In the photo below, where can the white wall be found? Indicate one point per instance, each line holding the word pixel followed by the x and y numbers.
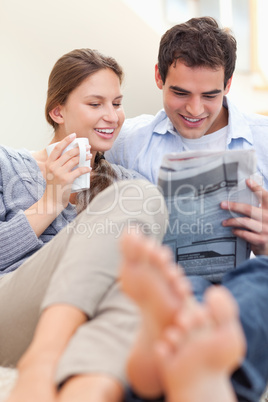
pixel 35 33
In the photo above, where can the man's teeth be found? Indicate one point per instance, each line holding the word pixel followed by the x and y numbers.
pixel 105 130
pixel 191 120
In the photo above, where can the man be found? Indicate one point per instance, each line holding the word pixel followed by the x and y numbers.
pixel 196 61
pixel 195 66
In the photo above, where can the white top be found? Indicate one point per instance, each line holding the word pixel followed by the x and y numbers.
pixel 215 141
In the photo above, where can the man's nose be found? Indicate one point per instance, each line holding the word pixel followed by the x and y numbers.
pixel 195 106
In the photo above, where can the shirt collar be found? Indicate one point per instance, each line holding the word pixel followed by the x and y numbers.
pixel 163 124
pixel 237 124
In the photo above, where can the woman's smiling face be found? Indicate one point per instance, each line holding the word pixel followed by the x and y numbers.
pixel 94 110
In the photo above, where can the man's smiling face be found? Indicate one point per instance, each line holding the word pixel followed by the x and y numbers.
pixel 192 98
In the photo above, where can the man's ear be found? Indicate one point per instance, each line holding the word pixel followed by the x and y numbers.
pixel 56 115
pixel 228 86
pixel 158 78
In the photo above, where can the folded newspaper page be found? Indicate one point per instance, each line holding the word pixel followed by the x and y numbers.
pixel 194 184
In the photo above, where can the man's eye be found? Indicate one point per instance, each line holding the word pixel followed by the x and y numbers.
pixel 181 94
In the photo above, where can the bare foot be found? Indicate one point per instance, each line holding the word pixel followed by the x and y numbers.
pixel 199 353
pixel 158 286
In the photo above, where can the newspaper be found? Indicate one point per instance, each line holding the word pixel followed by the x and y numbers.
pixel 194 184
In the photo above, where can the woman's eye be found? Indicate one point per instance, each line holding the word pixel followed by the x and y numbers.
pixel 94 104
pixel 117 104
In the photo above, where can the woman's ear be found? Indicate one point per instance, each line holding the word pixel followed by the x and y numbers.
pixel 56 115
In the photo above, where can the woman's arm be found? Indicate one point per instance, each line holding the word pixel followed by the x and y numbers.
pixel 21 223
pixel 59 175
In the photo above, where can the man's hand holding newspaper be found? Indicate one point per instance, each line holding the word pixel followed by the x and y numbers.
pixel 255 219
pixel 214 211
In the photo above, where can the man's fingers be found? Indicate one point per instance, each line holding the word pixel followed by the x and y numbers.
pixel 245 223
pixel 243 209
pixel 259 191
pixel 254 239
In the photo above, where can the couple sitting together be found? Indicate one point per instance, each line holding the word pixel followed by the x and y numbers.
pixel 106 315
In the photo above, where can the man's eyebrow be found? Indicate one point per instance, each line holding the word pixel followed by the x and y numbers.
pixel 179 89
pixel 101 97
pixel 214 92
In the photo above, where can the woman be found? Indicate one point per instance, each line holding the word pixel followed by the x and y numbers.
pixel 64 320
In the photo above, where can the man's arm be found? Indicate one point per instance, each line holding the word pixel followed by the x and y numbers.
pixel 253 226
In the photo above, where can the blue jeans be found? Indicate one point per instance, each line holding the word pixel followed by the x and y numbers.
pixel 249 286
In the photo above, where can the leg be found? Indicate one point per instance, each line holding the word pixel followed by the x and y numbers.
pixel 89 387
pixel 248 284
pixel 152 280
pixel 83 277
pixel 199 352
pixel 38 364
pixel 97 353
pixel 130 211
pixel 21 292
pixel 148 276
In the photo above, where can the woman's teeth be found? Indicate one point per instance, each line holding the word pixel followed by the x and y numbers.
pixel 105 130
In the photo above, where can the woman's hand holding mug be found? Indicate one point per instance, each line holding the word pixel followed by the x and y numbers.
pixel 67 169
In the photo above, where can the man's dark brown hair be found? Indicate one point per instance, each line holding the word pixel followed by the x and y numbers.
pixel 199 42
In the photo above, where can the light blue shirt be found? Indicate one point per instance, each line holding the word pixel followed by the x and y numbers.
pixel 144 140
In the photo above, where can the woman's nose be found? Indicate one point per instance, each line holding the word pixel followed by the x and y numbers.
pixel 111 114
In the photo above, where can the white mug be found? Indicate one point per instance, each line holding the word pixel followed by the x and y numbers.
pixel 82 182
